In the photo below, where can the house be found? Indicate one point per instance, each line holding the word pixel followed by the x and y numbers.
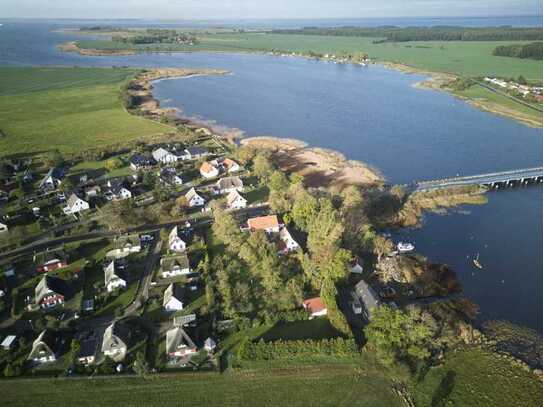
pixel 194 153
pixel 269 224
pixel 52 179
pixel 230 166
pixel 315 307
pixel 45 348
pixel 75 205
pixel 229 184
pixel 355 266
pixel 287 242
pixel 9 342
pixel 179 344
pixel 127 244
pixel 235 200
pixel 210 345
pixel 193 199
pixel 169 176
pixel 50 260
pixel 115 341
pixel 140 162
pixel 164 156
pixel 208 170
pixel 3 228
pixel 366 299
pixel 172 266
pixel 113 280
pixel 118 190
pixel 175 243
pixel 50 292
pixel 174 298
pixel 92 191
pixel 87 352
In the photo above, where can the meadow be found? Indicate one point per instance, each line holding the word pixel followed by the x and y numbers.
pixel 469 58
pixel 69 109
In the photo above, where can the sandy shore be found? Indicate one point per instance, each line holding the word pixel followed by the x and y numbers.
pixel 320 167
pixel 72 47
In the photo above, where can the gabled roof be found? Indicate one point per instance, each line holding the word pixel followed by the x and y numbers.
pixel 367 296
pixel 207 168
pixel 177 338
pixel 195 150
pixel 88 348
pixel 142 160
pixel 46 341
pixel 73 199
pixel 51 284
pixel 191 194
pixel 160 153
pixel 228 163
pixel 284 234
pixel 115 335
pixel 169 262
pixel 54 173
pixel 174 291
pixel 314 305
pixel 263 223
pixel 48 255
pixel 110 273
pixel 229 182
pixel 233 196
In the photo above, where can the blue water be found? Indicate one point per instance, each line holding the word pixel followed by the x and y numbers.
pixel 374 115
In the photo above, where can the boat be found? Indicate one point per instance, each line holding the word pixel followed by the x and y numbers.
pixel 405 247
pixel 476 262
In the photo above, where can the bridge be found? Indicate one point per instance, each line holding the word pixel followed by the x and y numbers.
pixel 493 180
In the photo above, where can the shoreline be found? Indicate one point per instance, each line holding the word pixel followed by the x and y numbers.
pixel 437 81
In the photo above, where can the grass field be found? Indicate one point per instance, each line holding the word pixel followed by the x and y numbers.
pixel 479 378
pixel 305 386
pixel 66 108
pixel 471 58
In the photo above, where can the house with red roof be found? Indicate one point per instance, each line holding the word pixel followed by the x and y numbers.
pixel 315 307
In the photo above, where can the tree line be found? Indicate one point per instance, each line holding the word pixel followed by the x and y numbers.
pixel 533 50
pixel 437 33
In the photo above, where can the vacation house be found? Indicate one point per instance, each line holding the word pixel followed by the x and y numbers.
pixel 173 266
pixel 113 280
pixel 235 200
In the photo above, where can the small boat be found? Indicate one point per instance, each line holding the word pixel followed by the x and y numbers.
pixel 476 262
pixel 405 247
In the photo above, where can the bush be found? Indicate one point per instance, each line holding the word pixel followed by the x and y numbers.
pixel 259 351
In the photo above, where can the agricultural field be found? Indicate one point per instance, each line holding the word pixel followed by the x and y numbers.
pixel 470 58
pixel 68 108
pixel 303 386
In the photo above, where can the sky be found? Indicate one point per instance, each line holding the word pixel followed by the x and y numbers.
pixel 271 9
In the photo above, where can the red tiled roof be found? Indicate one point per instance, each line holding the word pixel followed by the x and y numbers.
pixel 314 305
pixel 207 168
pixel 263 223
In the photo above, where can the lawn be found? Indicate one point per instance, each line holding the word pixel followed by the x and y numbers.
pixel 318 328
pixel 304 386
pixel 69 109
pixel 478 378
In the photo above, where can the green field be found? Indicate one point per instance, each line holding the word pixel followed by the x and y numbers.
pixel 67 109
pixel 471 58
pixel 306 386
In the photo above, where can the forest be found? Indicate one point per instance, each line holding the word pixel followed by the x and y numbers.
pixel 533 50
pixel 436 33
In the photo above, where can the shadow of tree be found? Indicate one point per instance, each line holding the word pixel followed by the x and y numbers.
pixel 444 390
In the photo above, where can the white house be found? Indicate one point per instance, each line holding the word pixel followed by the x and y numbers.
pixel 179 344
pixel 175 243
pixel 269 224
pixel 75 205
pixel 193 153
pixel 112 279
pixel 115 341
pixel 173 266
pixel 8 342
pixel 234 200
pixel 164 156
pixel 210 345
pixel 127 244
pixel 288 244
pixel 230 165
pixel 193 199
pixel 208 170
pixel 174 297
pixel 45 347
pixel 3 228
pixel 121 193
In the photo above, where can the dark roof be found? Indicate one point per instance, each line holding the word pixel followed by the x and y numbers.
pixel 142 160
pixel 55 173
pixel 88 348
pixel 197 150
pixel 367 296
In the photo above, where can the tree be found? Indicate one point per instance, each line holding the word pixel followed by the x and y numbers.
pixel 408 337
pixel 262 167
pixel 140 365
pixel 54 159
pixel 114 163
pixel 75 347
pixel 149 180
pixel 522 80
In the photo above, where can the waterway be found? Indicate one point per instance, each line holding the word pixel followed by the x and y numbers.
pixel 374 115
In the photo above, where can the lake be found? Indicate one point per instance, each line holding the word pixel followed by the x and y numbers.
pixel 374 115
